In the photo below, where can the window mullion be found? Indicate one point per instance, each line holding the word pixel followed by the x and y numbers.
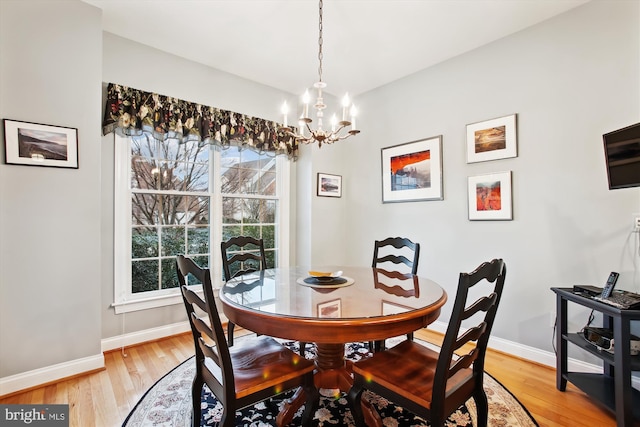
pixel 215 262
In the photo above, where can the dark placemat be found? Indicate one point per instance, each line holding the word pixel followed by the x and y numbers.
pixel 325 280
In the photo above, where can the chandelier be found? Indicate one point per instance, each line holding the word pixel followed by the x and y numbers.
pixel 321 135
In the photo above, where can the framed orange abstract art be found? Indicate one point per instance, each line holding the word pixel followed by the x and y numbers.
pixel 412 171
pixel 490 197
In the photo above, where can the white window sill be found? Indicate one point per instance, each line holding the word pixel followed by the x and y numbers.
pixel 151 302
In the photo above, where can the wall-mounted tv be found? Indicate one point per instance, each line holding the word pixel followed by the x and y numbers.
pixel 622 155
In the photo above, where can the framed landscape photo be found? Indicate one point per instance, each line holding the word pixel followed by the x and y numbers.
pixel 492 139
pixel 413 171
pixel 34 144
pixel 329 185
pixel 490 197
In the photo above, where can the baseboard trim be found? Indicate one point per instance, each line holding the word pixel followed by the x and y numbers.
pixel 536 355
pixel 532 354
pixel 49 374
pixel 139 337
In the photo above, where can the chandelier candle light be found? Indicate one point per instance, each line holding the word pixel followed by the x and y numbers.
pixel 320 135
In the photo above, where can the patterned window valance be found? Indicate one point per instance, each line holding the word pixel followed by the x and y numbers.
pixel 131 112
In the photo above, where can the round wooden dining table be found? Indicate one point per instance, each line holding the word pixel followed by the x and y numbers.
pixel 359 304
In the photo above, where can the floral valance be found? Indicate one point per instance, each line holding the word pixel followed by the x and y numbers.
pixel 130 111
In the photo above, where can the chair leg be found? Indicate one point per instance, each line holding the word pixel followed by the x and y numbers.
pixel 437 421
pixel 303 348
pixel 228 418
pixel 355 400
pixel 410 336
pixel 312 402
pixel 482 407
pixel 230 328
pixel 196 399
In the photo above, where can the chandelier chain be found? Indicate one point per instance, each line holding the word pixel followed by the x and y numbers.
pixel 320 43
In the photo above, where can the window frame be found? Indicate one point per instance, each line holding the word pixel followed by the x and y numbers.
pixel 124 299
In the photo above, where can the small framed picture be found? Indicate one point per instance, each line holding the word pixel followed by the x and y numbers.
pixel 330 309
pixel 389 308
pixel 492 139
pixel 490 197
pixel 329 185
pixel 412 171
pixel 34 144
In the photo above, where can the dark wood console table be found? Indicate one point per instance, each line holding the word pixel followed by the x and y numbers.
pixel 613 387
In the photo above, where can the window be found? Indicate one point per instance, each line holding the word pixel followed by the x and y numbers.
pixel 184 198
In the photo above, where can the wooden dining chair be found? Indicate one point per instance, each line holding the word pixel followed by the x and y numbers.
pixel 245 374
pixel 241 255
pixel 434 384
pixel 402 255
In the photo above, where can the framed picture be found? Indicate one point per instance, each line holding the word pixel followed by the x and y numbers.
pixel 492 139
pixel 329 185
pixel 330 309
pixel 490 197
pixel 393 308
pixel 34 144
pixel 413 171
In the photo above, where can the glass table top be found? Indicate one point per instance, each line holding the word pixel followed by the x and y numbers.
pixel 365 292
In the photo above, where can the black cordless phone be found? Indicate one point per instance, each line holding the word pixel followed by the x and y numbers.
pixel 608 287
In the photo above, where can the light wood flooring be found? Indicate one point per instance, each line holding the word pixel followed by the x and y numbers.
pixel 104 398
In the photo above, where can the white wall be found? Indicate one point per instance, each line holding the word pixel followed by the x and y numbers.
pixel 569 79
pixel 49 217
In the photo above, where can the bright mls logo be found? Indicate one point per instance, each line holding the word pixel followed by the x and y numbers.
pixel 37 415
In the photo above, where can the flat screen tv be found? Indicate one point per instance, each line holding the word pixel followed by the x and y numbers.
pixel 622 155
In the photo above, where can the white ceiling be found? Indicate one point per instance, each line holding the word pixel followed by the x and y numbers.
pixel 367 43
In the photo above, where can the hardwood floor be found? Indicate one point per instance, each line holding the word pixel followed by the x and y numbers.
pixel 105 398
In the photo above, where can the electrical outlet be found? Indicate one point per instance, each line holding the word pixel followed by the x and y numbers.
pixel 636 223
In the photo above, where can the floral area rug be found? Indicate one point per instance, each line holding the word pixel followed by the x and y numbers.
pixel 168 404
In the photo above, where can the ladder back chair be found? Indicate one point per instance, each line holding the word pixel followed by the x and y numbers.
pixel 397 251
pixel 434 384
pixel 241 255
pixel 236 375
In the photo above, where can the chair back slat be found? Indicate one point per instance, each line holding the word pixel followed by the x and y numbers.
pixel 193 298
pixel 482 304
pixel 242 255
pixel 463 362
pixel 406 252
pixel 402 284
pixel 207 349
